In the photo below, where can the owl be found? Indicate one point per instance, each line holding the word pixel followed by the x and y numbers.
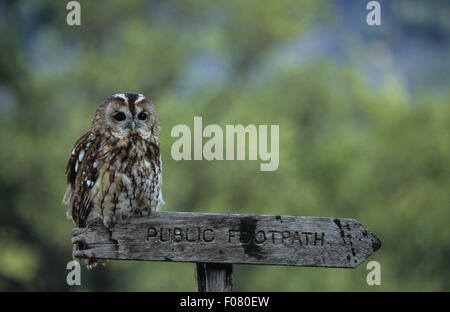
pixel 114 171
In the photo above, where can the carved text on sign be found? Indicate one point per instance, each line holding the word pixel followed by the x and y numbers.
pixel 235 236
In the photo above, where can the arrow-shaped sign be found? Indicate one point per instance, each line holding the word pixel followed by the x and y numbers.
pixel 230 238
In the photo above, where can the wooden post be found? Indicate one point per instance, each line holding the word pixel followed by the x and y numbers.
pixel 217 241
pixel 213 277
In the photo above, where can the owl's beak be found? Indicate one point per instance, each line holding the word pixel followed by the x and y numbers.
pixel 133 125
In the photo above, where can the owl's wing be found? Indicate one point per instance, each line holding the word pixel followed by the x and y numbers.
pixel 153 156
pixel 82 173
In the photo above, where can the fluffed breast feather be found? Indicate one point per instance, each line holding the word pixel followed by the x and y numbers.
pixel 112 179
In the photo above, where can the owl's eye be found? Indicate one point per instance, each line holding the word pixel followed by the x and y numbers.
pixel 119 116
pixel 142 116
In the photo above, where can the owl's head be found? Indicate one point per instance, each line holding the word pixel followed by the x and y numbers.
pixel 127 115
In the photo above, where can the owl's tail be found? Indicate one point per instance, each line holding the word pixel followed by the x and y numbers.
pixel 92 263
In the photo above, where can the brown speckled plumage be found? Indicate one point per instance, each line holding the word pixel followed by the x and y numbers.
pixel 114 170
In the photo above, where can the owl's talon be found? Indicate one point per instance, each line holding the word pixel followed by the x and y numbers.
pixel 90 263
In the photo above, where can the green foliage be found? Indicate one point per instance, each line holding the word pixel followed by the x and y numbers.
pixel 378 154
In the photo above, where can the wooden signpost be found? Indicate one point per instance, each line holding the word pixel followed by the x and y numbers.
pixel 217 241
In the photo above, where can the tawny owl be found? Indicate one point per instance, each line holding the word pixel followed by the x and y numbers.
pixel 115 168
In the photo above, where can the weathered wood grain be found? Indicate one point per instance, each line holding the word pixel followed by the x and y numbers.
pixel 216 277
pixel 230 238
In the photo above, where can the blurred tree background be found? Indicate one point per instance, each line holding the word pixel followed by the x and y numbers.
pixel 363 111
